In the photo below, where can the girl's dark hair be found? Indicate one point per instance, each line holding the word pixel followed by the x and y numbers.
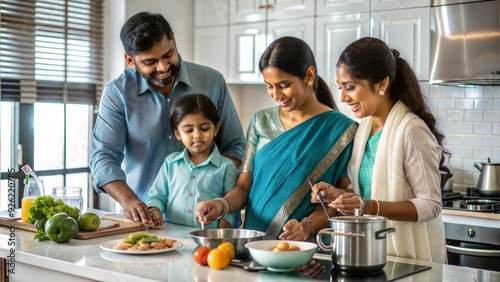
pixel 371 59
pixel 141 31
pixel 192 104
pixel 292 55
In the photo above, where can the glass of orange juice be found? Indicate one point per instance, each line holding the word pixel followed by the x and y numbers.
pixel 32 189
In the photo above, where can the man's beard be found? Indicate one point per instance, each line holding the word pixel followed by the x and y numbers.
pixel 163 82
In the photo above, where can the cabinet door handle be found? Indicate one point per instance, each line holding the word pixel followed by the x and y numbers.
pixel 473 252
pixel 267 6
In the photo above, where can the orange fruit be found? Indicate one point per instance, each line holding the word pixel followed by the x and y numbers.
pixel 229 247
pixel 218 259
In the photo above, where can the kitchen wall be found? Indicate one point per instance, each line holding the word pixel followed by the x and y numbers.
pixel 470 119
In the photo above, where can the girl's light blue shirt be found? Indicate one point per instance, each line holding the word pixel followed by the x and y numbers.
pixel 180 186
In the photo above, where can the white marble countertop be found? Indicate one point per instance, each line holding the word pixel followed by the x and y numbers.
pixel 85 259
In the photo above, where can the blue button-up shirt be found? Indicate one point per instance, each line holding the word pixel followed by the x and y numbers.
pixel 180 186
pixel 132 134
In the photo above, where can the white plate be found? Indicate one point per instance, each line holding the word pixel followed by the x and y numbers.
pixel 108 246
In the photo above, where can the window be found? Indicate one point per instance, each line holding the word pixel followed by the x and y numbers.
pixel 50 56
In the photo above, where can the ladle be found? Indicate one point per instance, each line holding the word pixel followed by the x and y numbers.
pixel 320 199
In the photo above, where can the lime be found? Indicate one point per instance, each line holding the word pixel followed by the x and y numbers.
pixel 89 221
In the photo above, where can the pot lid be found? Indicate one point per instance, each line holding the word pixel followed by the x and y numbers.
pixel 359 219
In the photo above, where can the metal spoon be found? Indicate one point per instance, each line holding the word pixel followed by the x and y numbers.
pixel 320 199
pixel 248 265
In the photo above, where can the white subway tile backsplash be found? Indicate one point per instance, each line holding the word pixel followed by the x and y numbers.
pixel 455 92
pixel 437 91
pixel 468 177
pixel 483 104
pixel 462 152
pixel 473 115
pixel 464 127
pixel 491 140
pixel 467 103
pixel 496 104
pixel 482 152
pixel 496 128
pixel 496 154
pixel 493 116
pixel 473 140
pixel 483 128
pixel 454 139
pixel 468 165
pixel 491 92
pixel 446 103
pixel 474 92
pixel 454 115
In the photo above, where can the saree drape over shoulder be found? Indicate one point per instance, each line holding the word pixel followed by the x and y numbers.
pixel 283 165
pixel 405 141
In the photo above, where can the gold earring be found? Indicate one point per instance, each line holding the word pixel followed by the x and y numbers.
pixel 310 84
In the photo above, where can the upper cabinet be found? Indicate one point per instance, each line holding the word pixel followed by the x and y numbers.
pixel 211 34
pixel 391 5
pixel 328 7
pixel 247 42
pixel 255 24
pixel 408 31
pixel 211 13
pixel 333 34
pixel 248 11
pixel 231 35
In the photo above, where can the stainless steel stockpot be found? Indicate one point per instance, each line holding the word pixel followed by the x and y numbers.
pixel 357 243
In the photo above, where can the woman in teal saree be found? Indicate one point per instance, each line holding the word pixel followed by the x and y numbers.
pixel 303 138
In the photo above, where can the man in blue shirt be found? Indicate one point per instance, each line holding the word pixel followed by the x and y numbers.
pixel 132 134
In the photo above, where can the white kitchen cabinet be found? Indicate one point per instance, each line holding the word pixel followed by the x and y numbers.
pixel 328 7
pixel 247 42
pixel 248 11
pixel 211 47
pixel 211 12
pixel 390 5
pixel 407 31
pixel 333 34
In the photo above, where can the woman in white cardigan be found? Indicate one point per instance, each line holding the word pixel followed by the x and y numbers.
pixel 397 155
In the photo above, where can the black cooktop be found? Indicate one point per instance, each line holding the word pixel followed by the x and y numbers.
pixel 451 200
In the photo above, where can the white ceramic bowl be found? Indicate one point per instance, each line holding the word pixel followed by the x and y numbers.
pixel 261 252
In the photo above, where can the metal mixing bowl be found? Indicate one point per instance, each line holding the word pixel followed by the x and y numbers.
pixel 238 237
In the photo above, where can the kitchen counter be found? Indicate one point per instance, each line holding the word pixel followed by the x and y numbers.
pixel 84 260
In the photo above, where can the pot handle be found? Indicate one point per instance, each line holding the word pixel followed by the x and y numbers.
pixel 478 166
pixel 381 234
pixel 328 231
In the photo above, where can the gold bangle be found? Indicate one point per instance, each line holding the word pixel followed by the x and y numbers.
pixel 225 207
pixel 377 205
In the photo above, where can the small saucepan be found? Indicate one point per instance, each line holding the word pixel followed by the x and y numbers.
pixel 358 243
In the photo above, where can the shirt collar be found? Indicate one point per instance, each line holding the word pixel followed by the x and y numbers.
pixel 183 77
pixel 215 157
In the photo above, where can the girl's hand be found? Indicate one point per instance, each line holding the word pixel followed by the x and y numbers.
pixel 294 231
pixel 327 191
pixel 208 211
pixel 156 216
pixel 313 269
pixel 346 203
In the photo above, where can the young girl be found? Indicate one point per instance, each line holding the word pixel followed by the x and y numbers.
pixel 197 173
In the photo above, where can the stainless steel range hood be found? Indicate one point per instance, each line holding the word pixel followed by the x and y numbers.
pixel 465 42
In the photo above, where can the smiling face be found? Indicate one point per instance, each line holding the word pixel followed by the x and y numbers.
pixel 289 91
pixel 196 133
pixel 159 65
pixel 358 95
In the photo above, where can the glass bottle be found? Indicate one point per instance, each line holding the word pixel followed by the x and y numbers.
pixel 70 195
pixel 32 189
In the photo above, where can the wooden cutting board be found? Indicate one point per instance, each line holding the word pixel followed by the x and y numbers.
pixel 107 228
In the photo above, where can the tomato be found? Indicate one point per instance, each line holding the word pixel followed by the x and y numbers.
pixel 218 259
pixel 200 255
pixel 229 247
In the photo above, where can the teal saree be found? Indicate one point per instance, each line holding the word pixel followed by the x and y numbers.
pixel 286 162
